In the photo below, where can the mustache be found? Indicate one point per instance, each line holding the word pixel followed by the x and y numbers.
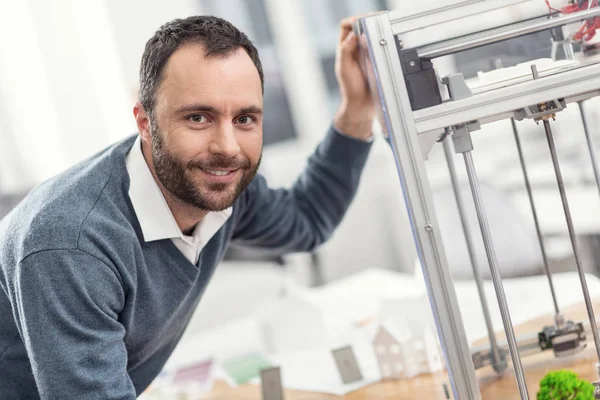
pixel 215 162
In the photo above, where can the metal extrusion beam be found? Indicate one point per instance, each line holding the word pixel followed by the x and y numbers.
pixel 388 86
pixel 493 105
pixel 502 33
pixel 404 22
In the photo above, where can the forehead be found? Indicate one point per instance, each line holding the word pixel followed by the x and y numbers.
pixel 221 81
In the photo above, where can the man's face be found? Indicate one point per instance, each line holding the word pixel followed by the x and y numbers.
pixel 206 128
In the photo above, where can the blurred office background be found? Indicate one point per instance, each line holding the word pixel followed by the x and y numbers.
pixel 69 76
pixel 68 81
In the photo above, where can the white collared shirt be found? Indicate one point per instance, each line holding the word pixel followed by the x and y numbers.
pixel 155 216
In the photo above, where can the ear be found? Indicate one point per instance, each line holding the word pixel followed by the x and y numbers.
pixel 142 120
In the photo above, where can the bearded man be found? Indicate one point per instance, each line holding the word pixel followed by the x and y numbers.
pixel 102 266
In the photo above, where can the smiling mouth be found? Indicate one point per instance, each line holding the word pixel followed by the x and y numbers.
pixel 217 172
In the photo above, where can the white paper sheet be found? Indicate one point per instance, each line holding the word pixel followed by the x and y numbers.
pixel 315 370
pixel 356 299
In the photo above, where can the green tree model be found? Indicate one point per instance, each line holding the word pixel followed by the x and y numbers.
pixel 565 385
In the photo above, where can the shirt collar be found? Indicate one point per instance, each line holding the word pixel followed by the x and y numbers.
pixel 153 213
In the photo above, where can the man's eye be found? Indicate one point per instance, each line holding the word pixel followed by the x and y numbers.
pixel 245 120
pixel 198 119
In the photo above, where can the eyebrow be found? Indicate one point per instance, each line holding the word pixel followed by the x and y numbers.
pixel 250 110
pixel 210 109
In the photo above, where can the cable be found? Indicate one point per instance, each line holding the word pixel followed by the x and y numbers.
pixel 550 8
pixel 588 29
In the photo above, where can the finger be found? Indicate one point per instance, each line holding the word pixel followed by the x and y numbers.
pixel 349 44
pixel 346 27
pixel 346 23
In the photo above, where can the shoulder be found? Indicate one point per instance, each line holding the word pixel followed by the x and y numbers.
pixel 81 202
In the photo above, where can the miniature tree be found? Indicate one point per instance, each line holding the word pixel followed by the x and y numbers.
pixel 565 385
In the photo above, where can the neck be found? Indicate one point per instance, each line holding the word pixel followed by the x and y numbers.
pixel 186 215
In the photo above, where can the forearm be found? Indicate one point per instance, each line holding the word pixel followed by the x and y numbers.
pixel 330 181
pixel 303 217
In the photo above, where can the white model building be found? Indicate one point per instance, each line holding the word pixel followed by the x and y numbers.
pixel 406 345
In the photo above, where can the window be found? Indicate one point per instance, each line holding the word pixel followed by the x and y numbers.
pixel 381 349
pixel 325 17
pixel 395 349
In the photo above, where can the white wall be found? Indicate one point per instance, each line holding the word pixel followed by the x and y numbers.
pixel 29 124
pixel 133 22
pixel 61 87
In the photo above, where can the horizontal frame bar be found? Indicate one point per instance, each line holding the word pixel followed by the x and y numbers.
pixel 577 83
pixel 495 35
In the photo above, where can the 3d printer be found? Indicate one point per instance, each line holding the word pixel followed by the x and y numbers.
pixel 399 52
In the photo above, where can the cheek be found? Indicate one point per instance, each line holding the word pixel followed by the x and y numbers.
pixel 187 144
pixel 251 145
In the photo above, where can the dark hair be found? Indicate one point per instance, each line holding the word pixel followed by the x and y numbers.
pixel 219 38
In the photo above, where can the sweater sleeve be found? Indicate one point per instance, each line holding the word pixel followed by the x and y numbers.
pixel 303 217
pixel 66 304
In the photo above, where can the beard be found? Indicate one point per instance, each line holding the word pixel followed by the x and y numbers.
pixel 177 176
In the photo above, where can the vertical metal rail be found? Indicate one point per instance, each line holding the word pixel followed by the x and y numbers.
pixel 590 143
pixel 498 363
pixel 496 278
pixel 557 317
pixel 573 237
pixel 385 76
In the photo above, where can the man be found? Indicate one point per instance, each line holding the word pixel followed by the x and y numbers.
pixel 102 266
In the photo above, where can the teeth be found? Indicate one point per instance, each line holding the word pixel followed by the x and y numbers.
pixel 217 173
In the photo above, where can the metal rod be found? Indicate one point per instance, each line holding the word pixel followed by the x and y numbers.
pixel 496 360
pixel 503 33
pixel 590 143
pixel 567 211
pixel 534 71
pixel 535 219
pixel 496 278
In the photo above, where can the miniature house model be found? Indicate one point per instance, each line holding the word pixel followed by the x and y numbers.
pixel 406 345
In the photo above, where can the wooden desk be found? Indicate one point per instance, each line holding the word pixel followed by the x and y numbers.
pixel 429 386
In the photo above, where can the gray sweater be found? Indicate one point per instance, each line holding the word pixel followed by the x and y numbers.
pixel 89 310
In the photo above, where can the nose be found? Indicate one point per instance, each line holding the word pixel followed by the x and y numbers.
pixel 224 142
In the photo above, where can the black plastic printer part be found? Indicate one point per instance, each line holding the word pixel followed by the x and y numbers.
pixel 420 78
